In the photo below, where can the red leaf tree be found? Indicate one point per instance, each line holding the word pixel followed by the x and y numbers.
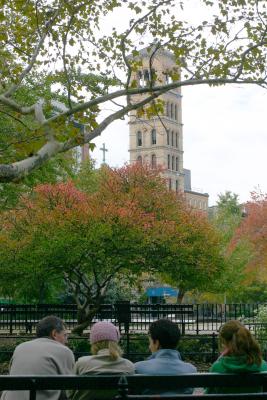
pixel 253 232
pixel 131 224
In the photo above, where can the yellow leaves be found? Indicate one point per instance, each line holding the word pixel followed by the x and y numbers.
pixel 140 112
pixel 133 84
pixel 151 110
pixel 175 75
pixel 28 148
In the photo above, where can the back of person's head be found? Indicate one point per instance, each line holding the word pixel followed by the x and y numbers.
pixel 47 325
pixel 105 335
pixel 239 342
pixel 166 332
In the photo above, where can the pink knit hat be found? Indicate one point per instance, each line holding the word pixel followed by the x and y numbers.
pixel 104 331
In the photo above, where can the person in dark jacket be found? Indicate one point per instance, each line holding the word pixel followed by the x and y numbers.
pixel 240 354
pixel 164 336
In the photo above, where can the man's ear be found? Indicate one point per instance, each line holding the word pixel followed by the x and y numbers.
pixel 53 334
pixel 156 343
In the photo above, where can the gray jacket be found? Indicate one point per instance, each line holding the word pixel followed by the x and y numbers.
pixel 42 356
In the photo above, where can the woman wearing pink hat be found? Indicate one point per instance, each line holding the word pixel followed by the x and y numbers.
pixel 106 359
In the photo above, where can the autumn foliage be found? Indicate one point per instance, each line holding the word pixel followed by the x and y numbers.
pixel 131 224
pixel 253 232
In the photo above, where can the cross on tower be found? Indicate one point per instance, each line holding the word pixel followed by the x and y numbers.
pixel 103 148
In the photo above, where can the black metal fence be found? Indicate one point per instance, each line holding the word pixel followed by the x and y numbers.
pixel 192 318
pixel 201 350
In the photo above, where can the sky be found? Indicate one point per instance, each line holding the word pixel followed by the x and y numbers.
pixel 225 140
pixel 225 132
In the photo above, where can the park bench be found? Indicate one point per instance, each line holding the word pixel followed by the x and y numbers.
pixel 131 387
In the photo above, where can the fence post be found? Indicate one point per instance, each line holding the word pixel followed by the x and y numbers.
pixel 197 330
pixel 183 319
pixel 123 387
pixel 11 319
pixel 214 347
pixel 127 343
pixel 123 313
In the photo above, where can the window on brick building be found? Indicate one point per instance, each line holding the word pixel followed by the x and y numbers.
pixel 153 136
pixel 173 158
pixel 139 138
pixel 168 137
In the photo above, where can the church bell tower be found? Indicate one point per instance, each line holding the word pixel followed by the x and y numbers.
pixel 159 140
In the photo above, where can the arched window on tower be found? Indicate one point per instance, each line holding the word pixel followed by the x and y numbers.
pixel 171 111
pixel 153 136
pixel 139 159
pixel 167 109
pixel 173 158
pixel 169 161
pixel 139 138
pixel 153 161
pixel 176 185
pixel 168 137
pixel 140 82
pixel 175 113
pixel 153 76
pixel 172 138
pixel 177 164
pixel 176 140
pixel 146 77
pixel 168 78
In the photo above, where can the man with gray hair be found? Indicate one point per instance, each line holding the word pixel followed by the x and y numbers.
pixel 46 355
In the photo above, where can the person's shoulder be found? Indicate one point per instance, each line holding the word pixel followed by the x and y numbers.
pixel 263 366
pixel 83 360
pixel 23 345
pixel 217 366
pixel 138 363
pixel 56 347
pixel 142 367
pixel 129 365
pixel 190 368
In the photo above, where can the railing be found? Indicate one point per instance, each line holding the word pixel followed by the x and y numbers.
pixel 126 387
pixel 192 318
pixel 201 350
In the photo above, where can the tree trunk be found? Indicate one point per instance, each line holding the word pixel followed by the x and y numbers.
pixel 42 290
pixel 180 296
pixel 84 318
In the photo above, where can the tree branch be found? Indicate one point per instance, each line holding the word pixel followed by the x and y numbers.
pixel 33 59
pixel 18 169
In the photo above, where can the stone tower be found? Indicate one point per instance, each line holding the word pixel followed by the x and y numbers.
pixel 159 140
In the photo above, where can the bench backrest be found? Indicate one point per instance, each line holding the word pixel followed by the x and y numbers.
pixel 129 385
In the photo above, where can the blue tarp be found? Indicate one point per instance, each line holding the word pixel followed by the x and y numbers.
pixel 161 292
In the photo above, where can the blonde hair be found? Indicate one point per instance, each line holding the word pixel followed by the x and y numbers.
pixel 114 349
pixel 239 341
